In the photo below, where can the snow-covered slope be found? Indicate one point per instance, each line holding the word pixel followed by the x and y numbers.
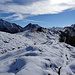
pixel 35 53
pixel 9 42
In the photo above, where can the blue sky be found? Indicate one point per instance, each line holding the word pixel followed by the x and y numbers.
pixel 46 13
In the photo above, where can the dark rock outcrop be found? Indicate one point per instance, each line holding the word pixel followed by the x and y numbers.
pixel 68 35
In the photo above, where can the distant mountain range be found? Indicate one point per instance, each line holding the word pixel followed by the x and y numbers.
pixel 14 28
pixel 67 34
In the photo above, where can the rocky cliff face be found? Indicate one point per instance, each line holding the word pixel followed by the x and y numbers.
pixel 70 30
pixel 68 35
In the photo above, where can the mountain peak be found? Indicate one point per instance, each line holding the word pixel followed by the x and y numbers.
pixel 9 27
pixel 31 26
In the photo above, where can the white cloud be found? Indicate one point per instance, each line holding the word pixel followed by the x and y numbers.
pixel 17 17
pixel 27 20
pixel 37 7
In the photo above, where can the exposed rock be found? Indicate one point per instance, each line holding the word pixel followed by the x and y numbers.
pixel 68 35
pixel 9 27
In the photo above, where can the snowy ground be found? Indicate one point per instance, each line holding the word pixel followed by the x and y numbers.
pixel 32 53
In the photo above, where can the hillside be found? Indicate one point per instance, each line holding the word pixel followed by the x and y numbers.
pixel 35 53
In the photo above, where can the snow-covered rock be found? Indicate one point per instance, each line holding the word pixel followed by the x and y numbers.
pixel 9 42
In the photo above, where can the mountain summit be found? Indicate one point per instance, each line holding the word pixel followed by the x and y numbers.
pixel 14 28
pixel 9 27
pixel 31 26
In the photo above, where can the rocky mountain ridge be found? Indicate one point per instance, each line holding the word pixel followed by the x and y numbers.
pixel 14 28
pixel 67 34
pixel 9 27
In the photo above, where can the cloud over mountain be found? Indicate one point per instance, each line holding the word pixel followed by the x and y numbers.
pixel 26 8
